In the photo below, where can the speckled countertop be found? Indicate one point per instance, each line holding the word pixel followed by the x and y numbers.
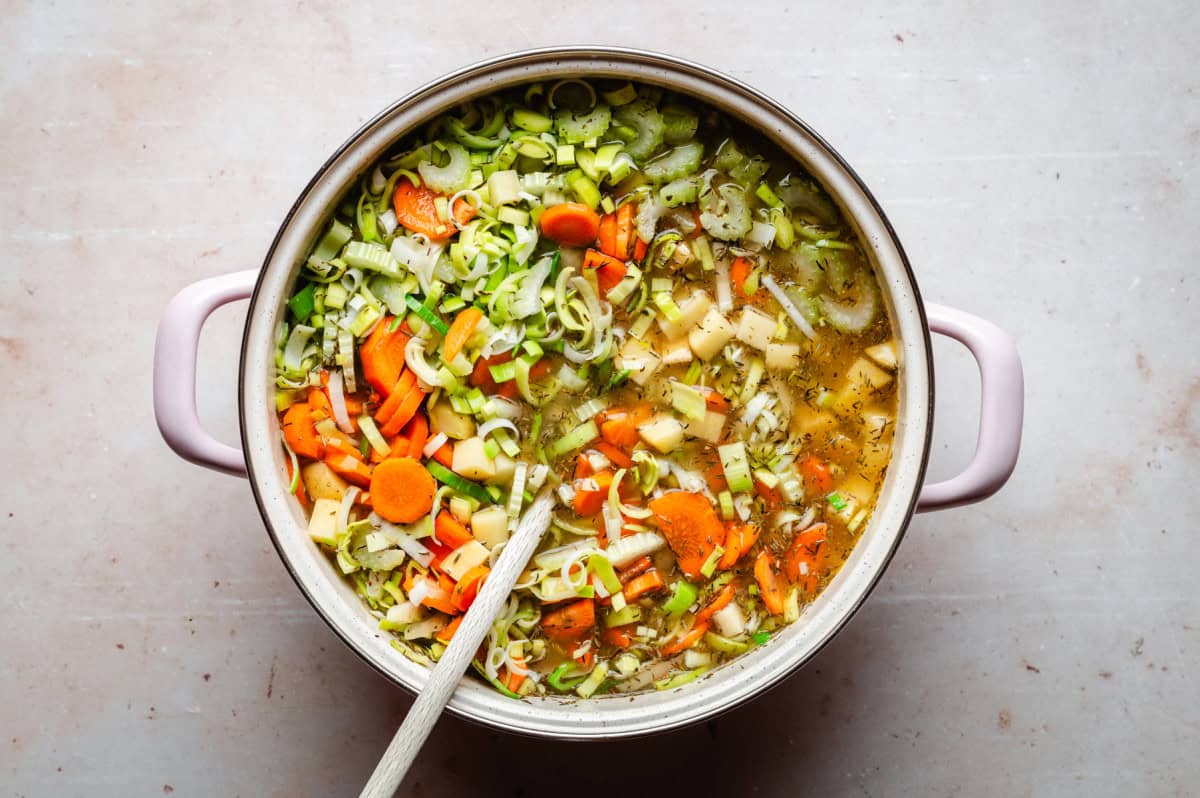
pixel 1039 162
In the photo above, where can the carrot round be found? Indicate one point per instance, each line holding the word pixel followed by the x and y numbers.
pixel 300 432
pixel 460 332
pixel 769 586
pixel 416 209
pixel 685 642
pixel 571 623
pixel 402 490
pixel 571 224
pixel 691 527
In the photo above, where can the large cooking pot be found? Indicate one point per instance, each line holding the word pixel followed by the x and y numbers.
pixel 261 457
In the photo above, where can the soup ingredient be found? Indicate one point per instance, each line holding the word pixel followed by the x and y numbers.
pixel 571 224
pixel 401 490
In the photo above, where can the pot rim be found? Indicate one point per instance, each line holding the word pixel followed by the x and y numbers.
pixel 613 60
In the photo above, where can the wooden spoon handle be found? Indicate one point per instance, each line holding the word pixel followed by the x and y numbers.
pixel 445 676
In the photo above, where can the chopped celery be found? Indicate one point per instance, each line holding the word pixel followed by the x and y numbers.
pixel 371 257
pixel 647 123
pixel 575 439
pixel 725 500
pixel 688 401
pixel 710 565
pixel 531 120
pixel 454 481
pixel 676 164
pixel 683 597
pixel 736 466
pixel 593 681
pixel 837 501
pixel 679 124
pixel 332 242
pixel 302 303
pixel 578 128
pixel 426 315
pixel 629 614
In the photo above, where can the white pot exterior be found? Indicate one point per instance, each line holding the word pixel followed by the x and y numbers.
pixel 616 716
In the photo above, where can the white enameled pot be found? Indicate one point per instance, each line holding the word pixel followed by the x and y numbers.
pixel 261 457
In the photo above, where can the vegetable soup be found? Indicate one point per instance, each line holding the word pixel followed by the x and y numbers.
pixel 623 296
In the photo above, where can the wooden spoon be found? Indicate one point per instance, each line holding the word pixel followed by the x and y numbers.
pixel 445 676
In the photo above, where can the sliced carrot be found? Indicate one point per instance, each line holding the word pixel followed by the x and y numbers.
pixel 649 582
pixel 818 478
pixel 691 527
pixel 583 467
pixel 416 209
pixel 684 642
pixel 408 408
pixel 638 566
pixel 447 634
pixel 750 534
pixel 450 531
pixel 300 432
pixel 460 332
pixel 639 249
pixel 402 490
pixel 723 597
pixel 625 232
pixel 481 377
pixel 739 273
pixel 350 468
pixel 382 355
pixel 467 588
pixel 439 600
pixel 514 680
pixel 318 402
pixel 586 660
pixel 418 435
pixel 445 455
pixel 397 447
pixel 589 501
pixel 404 384
pixel 769 584
pixel 772 498
pixel 571 224
pixel 621 429
pixel 615 455
pixel 571 623
pixel 619 636
pixel 802 561
pixel 714 401
pixel 606 240
pixel 609 270
pixel 733 546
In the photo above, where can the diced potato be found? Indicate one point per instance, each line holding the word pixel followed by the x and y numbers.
pixel 707 429
pixel 322 483
pixel 641 360
pixel 322 523
pixel 884 354
pixel 863 375
pixel 692 309
pixel 756 328
pixel 442 418
pixel 490 525
pixel 471 461
pixel 783 357
pixel 405 613
pixel 876 444
pixel 816 425
pixel 663 433
pixel 712 333
pixel 729 620
pixel 677 352
pixel 504 187
pixel 464 558
pixel 505 466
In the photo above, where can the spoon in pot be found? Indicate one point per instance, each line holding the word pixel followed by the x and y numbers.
pixel 445 676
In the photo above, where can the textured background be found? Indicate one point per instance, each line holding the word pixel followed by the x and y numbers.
pixel 1039 163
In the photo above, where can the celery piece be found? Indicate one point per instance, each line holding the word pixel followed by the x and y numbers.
pixel 683 597
pixel 676 164
pixel 725 500
pixel 630 614
pixel 302 303
pixel 575 439
pixel 578 128
pixel 531 120
pixel 736 466
pixel 679 123
pixel 643 117
pixel 332 242
pixel 688 401
pixel 593 681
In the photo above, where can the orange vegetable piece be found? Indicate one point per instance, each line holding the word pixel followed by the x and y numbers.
pixel 606 240
pixel 770 586
pixel 609 270
pixel 450 531
pixel 402 490
pixel 691 527
pixel 571 623
pixel 615 455
pixel 382 355
pixel 802 561
pixel 649 582
pixel 460 332
pixel 723 597
pixel 445 455
pixel 399 392
pixel 590 501
pixel 625 234
pixel 481 377
pixel 818 477
pixel 583 467
pixel 408 408
pixel 350 468
pixel 619 636
pixel 772 498
pixel 300 432
pixel 416 209
pixel 418 435
pixel 447 634
pixel 638 566
pixel 467 588
pixel 684 642
pixel 571 224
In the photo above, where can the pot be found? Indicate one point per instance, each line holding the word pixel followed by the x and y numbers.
pixel 903 493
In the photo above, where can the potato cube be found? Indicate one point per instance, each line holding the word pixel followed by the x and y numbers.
pixel 756 328
pixel 663 433
pixel 713 332
pixel 471 461
pixel 464 558
pixel 707 429
pixel 783 357
pixel 692 310
pixel 641 360
pixel 490 525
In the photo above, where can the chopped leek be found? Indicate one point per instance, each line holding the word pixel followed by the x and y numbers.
pixel 736 466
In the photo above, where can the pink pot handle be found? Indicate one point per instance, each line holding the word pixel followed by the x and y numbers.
pixel 175 370
pixel 1001 409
